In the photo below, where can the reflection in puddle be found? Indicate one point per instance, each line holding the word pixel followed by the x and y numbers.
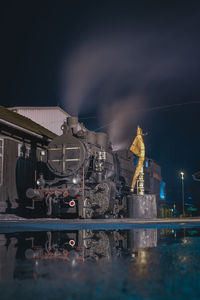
pixel 73 247
pixel 8 249
pixel 89 263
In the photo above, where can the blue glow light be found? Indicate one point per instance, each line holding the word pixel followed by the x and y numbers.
pixel 162 190
pixel 146 164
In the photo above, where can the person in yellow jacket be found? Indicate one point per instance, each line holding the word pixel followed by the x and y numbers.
pixel 138 149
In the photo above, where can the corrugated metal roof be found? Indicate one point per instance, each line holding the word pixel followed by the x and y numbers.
pixel 50 117
pixel 19 120
pixel 39 107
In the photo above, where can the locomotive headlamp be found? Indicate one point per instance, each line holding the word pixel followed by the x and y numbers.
pixel 76 179
pixel 40 181
pixel 101 155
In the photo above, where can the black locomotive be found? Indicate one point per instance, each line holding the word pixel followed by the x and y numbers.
pixel 87 177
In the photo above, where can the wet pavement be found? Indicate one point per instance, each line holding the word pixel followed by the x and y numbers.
pixel 137 263
pixel 10 224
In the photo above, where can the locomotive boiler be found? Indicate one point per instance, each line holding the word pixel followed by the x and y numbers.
pixel 87 177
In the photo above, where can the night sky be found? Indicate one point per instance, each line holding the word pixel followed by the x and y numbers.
pixel 110 62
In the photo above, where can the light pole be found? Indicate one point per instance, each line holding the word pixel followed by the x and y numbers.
pixel 182 179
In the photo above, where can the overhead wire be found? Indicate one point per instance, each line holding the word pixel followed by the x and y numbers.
pixel 150 109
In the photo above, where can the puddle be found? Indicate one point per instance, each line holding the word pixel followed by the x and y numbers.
pixel 142 263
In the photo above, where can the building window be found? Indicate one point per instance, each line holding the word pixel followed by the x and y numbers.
pixel 24 151
pixel 20 150
pixel 28 152
pixel 1 162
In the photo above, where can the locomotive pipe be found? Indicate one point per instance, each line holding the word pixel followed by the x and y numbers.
pixel 73 191
pixel 99 176
pixel 31 193
pixel 30 253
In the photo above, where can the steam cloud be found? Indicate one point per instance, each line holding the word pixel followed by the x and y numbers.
pixel 119 74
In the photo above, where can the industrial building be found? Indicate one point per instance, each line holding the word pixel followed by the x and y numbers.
pixel 196 176
pixel 21 143
pixel 154 183
pixel 50 117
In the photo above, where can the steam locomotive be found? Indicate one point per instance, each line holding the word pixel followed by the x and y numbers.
pixel 87 178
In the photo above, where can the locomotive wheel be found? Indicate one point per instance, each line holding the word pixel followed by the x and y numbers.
pixel 87 210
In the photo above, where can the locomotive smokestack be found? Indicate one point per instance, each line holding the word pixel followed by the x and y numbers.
pixel 72 122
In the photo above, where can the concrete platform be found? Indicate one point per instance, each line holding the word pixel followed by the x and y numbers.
pixel 16 225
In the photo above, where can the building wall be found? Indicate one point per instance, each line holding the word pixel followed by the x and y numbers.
pixel 153 183
pixel 152 177
pixel 8 252
pixel 17 172
pixel 8 189
pixel 51 118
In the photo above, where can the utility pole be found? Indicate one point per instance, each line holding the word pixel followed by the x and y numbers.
pixel 182 179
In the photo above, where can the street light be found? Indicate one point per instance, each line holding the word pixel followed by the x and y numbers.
pixel 182 179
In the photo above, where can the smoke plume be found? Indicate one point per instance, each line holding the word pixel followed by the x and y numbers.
pixel 119 74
